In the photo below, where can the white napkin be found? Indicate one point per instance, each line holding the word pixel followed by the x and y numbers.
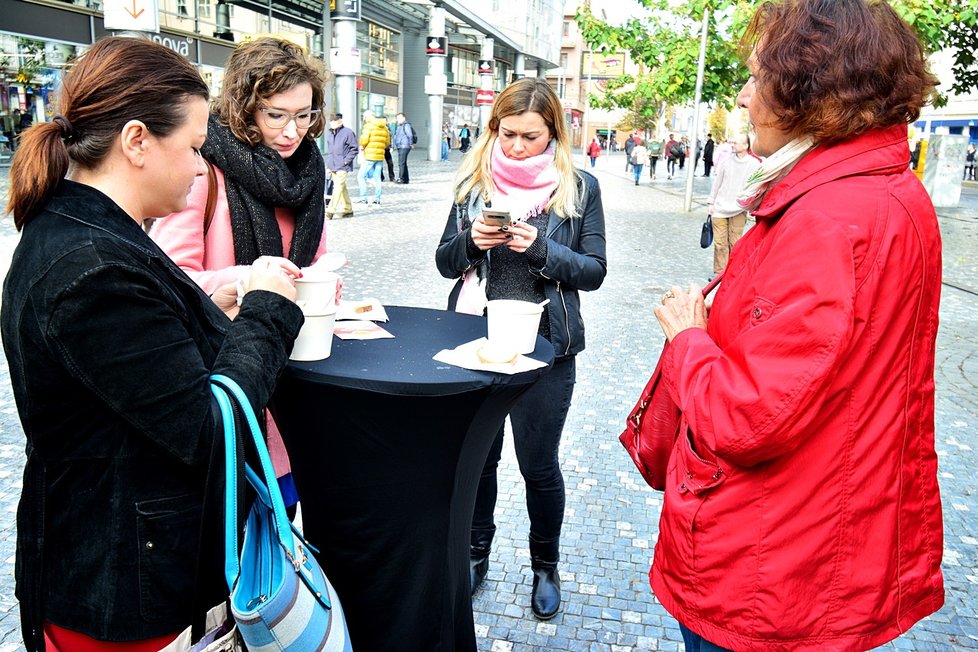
pixel 465 356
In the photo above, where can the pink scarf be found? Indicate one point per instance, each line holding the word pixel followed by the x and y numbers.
pixel 523 187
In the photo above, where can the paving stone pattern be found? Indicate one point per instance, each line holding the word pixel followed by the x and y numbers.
pixel 611 520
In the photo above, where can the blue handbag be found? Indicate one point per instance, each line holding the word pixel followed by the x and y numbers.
pixel 280 597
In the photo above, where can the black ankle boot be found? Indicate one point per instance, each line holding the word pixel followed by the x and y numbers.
pixel 481 544
pixel 545 599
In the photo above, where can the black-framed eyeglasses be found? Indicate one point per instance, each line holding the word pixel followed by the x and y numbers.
pixel 276 119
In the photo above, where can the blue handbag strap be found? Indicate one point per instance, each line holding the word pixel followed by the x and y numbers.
pixel 223 389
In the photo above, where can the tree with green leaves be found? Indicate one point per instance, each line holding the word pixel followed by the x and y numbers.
pixel 665 44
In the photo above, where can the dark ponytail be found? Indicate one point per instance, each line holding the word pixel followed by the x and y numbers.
pixel 40 162
pixel 119 79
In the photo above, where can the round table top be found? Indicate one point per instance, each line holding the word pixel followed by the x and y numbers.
pixel 404 365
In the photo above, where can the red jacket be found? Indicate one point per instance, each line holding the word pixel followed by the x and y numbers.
pixel 594 149
pixel 803 511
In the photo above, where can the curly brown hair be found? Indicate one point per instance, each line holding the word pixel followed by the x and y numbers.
pixel 833 69
pixel 256 71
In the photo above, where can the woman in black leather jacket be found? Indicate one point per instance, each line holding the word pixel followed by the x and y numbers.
pixel 554 248
pixel 110 347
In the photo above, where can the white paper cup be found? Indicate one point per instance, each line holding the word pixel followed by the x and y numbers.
pixel 317 288
pixel 514 324
pixel 315 340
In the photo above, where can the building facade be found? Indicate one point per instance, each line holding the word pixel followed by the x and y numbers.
pixel 379 51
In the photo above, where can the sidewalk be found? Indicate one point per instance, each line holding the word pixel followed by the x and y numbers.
pixel 611 518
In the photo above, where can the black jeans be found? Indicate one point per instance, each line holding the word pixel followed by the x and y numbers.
pixel 537 420
pixel 402 154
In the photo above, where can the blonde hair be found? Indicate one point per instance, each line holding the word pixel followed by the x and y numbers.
pixel 529 94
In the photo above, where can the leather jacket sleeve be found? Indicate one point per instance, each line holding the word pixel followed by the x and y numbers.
pixel 580 261
pixel 452 256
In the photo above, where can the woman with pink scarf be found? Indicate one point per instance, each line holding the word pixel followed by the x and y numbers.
pixel 554 248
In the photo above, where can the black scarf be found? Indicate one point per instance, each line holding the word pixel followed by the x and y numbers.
pixel 258 181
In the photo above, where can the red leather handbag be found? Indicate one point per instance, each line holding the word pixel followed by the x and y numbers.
pixel 653 424
pixel 651 430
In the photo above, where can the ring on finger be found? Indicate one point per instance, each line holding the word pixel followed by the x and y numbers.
pixel 668 295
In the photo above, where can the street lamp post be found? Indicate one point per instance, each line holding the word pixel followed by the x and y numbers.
pixel 587 107
pixel 700 69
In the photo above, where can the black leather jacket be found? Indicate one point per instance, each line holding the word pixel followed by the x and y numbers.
pixel 575 261
pixel 110 346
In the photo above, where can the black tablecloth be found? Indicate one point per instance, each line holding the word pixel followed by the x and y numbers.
pixel 387 447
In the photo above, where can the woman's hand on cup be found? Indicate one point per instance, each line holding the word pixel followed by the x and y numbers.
pixel 486 236
pixel 274 274
pixel 523 235
pixel 681 310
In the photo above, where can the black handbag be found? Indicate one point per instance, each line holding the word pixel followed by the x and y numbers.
pixel 706 233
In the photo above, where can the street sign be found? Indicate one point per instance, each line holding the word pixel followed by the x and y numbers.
pixel 485 67
pixel 436 46
pixel 344 61
pixel 132 15
pixel 485 97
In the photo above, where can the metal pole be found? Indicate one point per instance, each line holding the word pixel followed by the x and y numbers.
pixel 700 69
pixel 587 108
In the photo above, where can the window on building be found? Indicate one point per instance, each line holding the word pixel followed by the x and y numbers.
pixel 182 8
pixel 204 9
pixel 380 49
pixel 465 68
pixel 566 28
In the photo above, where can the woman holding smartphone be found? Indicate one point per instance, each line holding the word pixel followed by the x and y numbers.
pixel 553 247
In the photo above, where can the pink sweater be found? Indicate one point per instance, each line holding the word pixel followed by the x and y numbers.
pixel 210 261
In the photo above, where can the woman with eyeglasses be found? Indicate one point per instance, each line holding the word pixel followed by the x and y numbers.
pixel 264 195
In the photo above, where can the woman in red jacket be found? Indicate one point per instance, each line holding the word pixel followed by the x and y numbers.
pixel 802 509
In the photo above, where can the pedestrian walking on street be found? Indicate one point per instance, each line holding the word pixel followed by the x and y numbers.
pixel 672 155
pixel 554 248
pixel 464 137
pixel 683 152
pixel 640 156
pixel 729 217
pixel 655 147
pixel 343 149
pixel 629 146
pixel 374 141
pixel 969 163
pixel 110 350
pixel 708 155
pixel 446 141
pixel 803 497
pixel 593 151
pixel 404 140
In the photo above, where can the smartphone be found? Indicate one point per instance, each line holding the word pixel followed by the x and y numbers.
pixel 496 218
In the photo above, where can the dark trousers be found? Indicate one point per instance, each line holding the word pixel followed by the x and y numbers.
pixel 653 161
pixel 537 420
pixel 707 164
pixel 402 154
pixel 390 165
pixel 696 643
pixel 670 166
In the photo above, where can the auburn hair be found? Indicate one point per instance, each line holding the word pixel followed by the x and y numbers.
pixel 527 94
pixel 833 69
pixel 121 78
pixel 259 69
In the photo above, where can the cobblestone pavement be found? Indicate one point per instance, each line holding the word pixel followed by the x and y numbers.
pixel 611 520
